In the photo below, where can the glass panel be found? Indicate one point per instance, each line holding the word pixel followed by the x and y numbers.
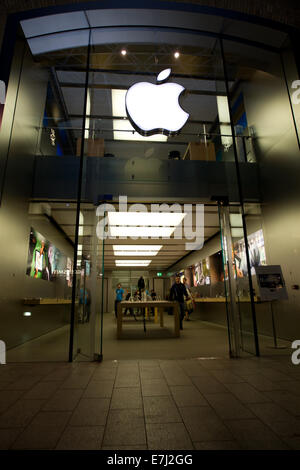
pixel 266 232
pixel 243 280
pixel 241 317
pixel 293 82
pixel 85 240
pixel 259 76
pixel 90 276
pixel 198 70
pixel 37 236
pixel 233 317
pixel 48 147
pixel 233 346
pixel 259 103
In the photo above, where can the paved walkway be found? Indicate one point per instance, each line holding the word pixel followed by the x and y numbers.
pixel 151 404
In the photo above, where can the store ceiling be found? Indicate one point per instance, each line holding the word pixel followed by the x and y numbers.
pixel 171 251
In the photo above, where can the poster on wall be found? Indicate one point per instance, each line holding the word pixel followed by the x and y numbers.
pixel 257 254
pixel 271 283
pixel 69 272
pixel 44 259
pixel 201 275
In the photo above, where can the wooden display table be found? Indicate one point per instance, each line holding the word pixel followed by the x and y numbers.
pixel 156 304
pixel 46 301
pixel 223 299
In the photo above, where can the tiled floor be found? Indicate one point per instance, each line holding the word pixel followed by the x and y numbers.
pixel 198 339
pixel 151 404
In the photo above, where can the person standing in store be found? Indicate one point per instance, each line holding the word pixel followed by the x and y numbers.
pixel 119 298
pixel 127 298
pixel 141 288
pixel 153 295
pixel 189 302
pixel 84 305
pixel 179 294
pixel 141 284
pixel 153 298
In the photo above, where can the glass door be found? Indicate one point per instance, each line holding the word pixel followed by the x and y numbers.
pixel 89 304
pixel 240 301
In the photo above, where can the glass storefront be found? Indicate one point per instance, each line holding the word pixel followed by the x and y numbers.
pixel 69 144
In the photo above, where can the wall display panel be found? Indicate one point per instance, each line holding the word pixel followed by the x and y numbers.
pixel 257 253
pixel 69 272
pixel 45 260
pixel 201 275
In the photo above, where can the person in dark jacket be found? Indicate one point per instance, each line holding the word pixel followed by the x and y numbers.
pixel 153 297
pixel 179 293
pixel 141 284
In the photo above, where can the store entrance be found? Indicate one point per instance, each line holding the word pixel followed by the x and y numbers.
pixel 221 319
pixel 219 311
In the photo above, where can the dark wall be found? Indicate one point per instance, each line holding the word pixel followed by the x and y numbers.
pixel 57 177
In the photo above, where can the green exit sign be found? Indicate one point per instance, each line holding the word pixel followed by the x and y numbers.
pixel 159 274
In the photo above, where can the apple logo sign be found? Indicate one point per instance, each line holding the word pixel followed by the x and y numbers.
pixel 155 109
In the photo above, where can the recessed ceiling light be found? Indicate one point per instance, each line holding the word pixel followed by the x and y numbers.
pixel 141 232
pixel 148 219
pixel 136 250
pixel 27 314
pixel 132 262
pixel 137 247
pixel 176 55
pixel 143 224
pixel 135 253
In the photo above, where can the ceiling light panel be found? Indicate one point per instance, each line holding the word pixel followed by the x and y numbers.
pixel 135 253
pixel 132 262
pixel 154 219
pixel 136 250
pixel 137 247
pixel 141 232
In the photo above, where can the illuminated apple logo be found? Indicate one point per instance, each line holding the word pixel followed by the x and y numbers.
pixel 155 109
